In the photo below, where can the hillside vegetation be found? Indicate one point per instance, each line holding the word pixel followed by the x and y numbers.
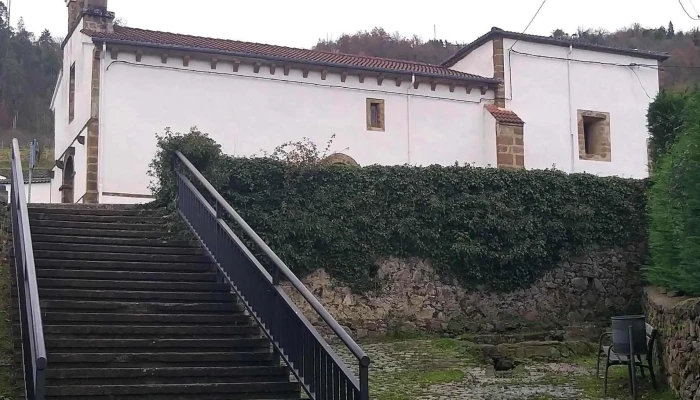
pixel 29 65
pixel 680 71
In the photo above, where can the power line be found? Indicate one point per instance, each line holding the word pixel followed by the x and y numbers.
pixel 686 11
pixel 695 9
pixel 531 20
pixel 657 67
pixel 640 82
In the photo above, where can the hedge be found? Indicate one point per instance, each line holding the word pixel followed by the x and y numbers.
pixel 498 228
pixel 674 208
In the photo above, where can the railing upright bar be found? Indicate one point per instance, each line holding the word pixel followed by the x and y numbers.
pixel 28 295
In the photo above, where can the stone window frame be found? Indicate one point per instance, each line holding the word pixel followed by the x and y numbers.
pixel 71 94
pixel 380 124
pixel 601 147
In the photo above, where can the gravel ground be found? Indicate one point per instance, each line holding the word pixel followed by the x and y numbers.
pixel 444 369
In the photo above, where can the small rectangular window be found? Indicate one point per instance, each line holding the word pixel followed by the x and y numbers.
pixel 71 94
pixel 375 115
pixel 594 135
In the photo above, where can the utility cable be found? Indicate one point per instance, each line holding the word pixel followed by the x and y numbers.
pixel 531 20
pixel 694 9
pixel 640 82
pixel 686 11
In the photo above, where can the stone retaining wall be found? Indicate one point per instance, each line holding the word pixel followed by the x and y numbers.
pixel 587 289
pixel 678 355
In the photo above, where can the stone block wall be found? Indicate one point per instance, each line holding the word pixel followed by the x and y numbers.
pixel 587 289
pixel 678 345
pixel 510 151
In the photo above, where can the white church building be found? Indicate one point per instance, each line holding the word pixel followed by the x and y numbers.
pixel 507 100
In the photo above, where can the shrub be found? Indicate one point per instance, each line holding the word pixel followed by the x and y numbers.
pixel 674 208
pixel 499 228
pixel 665 119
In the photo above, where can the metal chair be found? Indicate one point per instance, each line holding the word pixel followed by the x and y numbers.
pixel 640 356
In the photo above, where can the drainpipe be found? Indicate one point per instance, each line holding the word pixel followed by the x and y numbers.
pixel 571 111
pixel 408 117
pixel 100 123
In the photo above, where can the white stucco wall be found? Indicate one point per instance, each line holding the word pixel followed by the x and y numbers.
pixel 41 193
pixel 247 112
pixel 479 61
pixel 79 49
pixel 539 94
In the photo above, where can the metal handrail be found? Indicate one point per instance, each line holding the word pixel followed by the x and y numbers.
pixel 222 205
pixel 32 329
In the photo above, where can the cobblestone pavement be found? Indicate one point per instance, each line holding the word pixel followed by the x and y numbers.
pixel 445 369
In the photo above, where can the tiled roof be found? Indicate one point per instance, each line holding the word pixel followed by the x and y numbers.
pixel 38 176
pixel 504 116
pixel 576 43
pixel 266 51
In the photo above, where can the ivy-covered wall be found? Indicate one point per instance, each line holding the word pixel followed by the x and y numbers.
pixel 498 229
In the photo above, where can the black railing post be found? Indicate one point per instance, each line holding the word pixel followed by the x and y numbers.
pixel 275 277
pixel 364 380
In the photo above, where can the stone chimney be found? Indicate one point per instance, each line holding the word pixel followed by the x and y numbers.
pixel 94 15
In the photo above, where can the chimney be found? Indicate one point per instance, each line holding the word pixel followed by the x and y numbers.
pixel 93 13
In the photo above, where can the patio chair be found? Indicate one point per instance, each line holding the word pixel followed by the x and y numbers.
pixel 642 362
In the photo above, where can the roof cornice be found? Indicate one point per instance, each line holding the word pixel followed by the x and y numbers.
pixel 475 81
pixel 499 33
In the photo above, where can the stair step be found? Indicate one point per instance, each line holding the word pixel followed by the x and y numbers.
pixel 146 319
pixel 78 255
pixel 146 218
pixel 133 285
pixel 139 345
pixel 134 295
pixel 127 275
pixel 85 209
pixel 105 232
pixel 176 391
pixel 139 307
pixel 156 359
pixel 97 225
pixel 102 248
pixel 120 376
pixel 150 331
pixel 123 265
pixel 113 241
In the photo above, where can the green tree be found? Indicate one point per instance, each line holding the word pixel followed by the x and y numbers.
pixel 665 119
pixel 674 209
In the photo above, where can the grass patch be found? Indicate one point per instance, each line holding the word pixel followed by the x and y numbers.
pixel 46 160
pixel 7 378
pixel 438 377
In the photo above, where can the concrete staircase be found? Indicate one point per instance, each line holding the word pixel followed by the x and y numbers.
pixel 129 314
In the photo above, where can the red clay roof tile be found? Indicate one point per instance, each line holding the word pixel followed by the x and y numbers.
pixel 166 39
pixel 504 116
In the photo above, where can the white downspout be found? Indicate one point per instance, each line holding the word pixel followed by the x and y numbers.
pixel 571 111
pixel 100 123
pixel 408 118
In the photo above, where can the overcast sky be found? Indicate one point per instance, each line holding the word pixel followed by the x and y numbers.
pixel 300 23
